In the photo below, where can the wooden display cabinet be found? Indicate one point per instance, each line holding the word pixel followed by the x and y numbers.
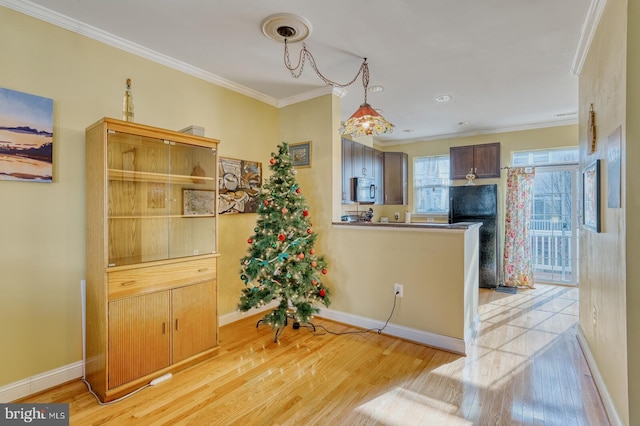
pixel 151 201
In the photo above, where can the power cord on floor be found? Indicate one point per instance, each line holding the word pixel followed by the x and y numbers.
pixel 115 400
pixel 153 382
pixel 313 328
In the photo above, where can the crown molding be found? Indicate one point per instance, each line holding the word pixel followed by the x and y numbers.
pixel 81 28
pixel 535 126
pixel 596 8
pixel 311 94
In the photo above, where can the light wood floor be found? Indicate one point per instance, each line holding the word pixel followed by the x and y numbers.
pixel 525 367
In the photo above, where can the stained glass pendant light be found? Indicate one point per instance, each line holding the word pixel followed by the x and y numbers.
pixel 285 27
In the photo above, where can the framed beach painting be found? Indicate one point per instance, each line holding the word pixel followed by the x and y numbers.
pixel 26 137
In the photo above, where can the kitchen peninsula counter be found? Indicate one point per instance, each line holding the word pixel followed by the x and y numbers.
pixel 436 263
pixel 412 225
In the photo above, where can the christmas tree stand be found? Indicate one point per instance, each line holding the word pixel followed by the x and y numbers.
pixel 295 326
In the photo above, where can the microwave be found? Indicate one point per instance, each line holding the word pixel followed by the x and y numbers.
pixel 363 190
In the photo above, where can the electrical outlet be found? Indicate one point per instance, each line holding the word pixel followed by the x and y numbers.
pixel 398 289
pixel 396 216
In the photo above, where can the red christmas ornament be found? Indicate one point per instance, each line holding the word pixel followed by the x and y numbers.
pixel 266 202
pixel 298 190
pixel 281 237
pixel 250 241
pixel 305 213
pixel 324 271
pixel 309 231
pixel 301 256
pixel 314 264
pixel 314 282
pixel 272 161
pixel 284 210
pixel 322 293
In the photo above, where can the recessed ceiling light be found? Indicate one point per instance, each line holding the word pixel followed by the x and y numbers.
pixel 376 89
pixel 443 98
pixel 408 130
pixel 464 123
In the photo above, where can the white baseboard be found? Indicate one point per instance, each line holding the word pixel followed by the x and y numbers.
pixel 446 343
pixel 40 382
pixel 237 315
pixel 614 417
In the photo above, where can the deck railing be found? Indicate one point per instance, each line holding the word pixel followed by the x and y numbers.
pixel 552 251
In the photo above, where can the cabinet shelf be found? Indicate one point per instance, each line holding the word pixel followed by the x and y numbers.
pixel 136 176
pixel 171 216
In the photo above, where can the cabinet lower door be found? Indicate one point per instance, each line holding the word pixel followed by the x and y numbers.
pixel 139 337
pixel 194 319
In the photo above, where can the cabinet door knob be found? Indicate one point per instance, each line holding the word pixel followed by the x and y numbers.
pixel 164 328
pixel 177 324
pixel 128 283
pixel 203 270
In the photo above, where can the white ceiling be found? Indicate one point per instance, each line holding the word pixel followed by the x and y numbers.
pixel 506 63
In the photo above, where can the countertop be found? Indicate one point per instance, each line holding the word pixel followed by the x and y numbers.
pixel 415 225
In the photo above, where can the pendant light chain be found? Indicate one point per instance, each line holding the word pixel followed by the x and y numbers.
pixel 366 120
pixel 305 54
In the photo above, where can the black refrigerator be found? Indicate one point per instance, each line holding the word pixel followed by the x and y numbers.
pixel 479 203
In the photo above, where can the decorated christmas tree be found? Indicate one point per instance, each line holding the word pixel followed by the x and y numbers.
pixel 281 263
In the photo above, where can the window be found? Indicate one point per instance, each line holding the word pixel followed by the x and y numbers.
pixel 544 157
pixel 431 184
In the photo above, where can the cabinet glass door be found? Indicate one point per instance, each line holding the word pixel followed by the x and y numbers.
pixel 192 229
pixel 138 206
pixel 161 199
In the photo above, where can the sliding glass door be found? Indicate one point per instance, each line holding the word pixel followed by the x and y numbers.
pixel 555 225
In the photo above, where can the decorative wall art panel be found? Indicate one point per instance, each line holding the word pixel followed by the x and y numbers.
pixel 239 185
pixel 26 137
pixel 591 196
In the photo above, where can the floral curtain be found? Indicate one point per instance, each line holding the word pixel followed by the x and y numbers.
pixel 518 268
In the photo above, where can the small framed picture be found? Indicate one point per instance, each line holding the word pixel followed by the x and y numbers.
pixel 198 202
pixel 300 154
pixel 591 196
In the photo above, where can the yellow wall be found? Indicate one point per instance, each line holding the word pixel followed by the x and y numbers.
pixel 603 284
pixel 631 206
pixel 430 264
pixel 42 225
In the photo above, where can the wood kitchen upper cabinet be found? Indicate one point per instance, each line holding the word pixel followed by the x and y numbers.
pixel 347 170
pixel 378 168
pixel 359 160
pixel 395 177
pixel 362 157
pixel 482 160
